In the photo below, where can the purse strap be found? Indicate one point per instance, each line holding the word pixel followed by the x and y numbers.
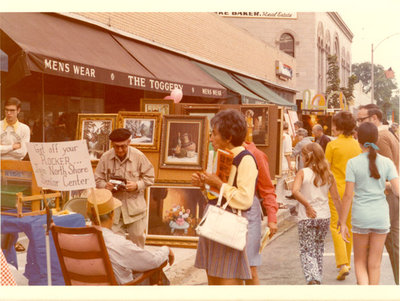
pixel 219 202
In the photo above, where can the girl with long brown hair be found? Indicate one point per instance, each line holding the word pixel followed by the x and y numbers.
pixel 310 188
pixel 366 177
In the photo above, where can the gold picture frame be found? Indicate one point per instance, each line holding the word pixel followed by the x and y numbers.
pixel 95 129
pixel 257 119
pixel 184 142
pixel 173 214
pixel 145 129
pixel 163 106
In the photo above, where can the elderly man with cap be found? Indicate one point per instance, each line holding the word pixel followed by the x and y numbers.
pixel 126 172
pixel 125 256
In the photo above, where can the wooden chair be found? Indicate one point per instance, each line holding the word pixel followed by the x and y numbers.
pixel 84 258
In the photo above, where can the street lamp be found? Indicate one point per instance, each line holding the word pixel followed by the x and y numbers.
pixel 372 63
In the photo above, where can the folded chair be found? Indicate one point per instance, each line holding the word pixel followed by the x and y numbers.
pixel 84 258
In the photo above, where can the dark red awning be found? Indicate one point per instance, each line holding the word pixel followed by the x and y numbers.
pixel 57 45
pixel 164 64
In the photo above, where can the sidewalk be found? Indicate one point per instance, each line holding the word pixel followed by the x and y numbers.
pixel 182 272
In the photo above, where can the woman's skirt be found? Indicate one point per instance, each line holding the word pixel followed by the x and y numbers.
pixel 254 233
pixel 222 261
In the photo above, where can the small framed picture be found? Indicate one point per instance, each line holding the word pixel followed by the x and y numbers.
pixel 173 215
pixel 257 123
pixel 163 106
pixel 184 142
pixel 201 110
pixel 95 129
pixel 144 127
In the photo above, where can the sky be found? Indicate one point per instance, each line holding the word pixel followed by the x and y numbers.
pixel 381 28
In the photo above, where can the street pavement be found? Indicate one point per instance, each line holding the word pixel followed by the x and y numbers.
pixel 280 261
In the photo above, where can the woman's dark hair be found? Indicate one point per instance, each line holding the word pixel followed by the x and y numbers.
pixel 368 132
pixel 231 124
pixel 344 121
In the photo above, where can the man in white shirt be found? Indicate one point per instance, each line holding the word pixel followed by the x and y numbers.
pixel 13 138
pixel 13 134
pixel 125 255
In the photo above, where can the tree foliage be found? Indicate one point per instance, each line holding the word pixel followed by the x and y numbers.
pixel 348 91
pixel 333 81
pixel 334 84
pixel 383 87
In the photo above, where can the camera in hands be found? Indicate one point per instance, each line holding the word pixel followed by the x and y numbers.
pixel 119 183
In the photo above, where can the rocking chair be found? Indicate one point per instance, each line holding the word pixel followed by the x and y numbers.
pixel 84 258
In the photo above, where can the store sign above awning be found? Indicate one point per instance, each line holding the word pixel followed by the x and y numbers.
pixel 80 71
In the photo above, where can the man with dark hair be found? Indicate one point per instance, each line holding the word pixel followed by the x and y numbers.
pixel 125 256
pixel 13 138
pixel 126 172
pixel 13 134
pixel 320 137
pixel 388 147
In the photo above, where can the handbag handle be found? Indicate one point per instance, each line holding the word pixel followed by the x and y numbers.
pixel 221 192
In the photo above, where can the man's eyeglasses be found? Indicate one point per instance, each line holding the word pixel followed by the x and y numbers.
pixel 359 120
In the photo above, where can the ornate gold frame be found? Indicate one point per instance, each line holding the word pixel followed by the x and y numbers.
pixel 123 116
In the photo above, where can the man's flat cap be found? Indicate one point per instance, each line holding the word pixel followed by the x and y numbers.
pixel 119 135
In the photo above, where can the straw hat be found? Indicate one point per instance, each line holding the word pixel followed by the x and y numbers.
pixel 104 199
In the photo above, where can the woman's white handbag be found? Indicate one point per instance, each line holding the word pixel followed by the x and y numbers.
pixel 222 226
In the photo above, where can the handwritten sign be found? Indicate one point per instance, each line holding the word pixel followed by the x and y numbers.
pixel 62 165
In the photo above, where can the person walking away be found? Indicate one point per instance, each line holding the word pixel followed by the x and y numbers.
pixel 338 152
pixel 320 137
pixel 225 265
pixel 310 188
pixel 366 175
pixel 126 172
pixel 266 194
pixel 388 147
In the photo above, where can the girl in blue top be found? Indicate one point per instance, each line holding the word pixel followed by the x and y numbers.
pixel 366 177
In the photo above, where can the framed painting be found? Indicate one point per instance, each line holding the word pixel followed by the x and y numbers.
pixel 201 110
pixel 184 142
pixel 95 129
pixel 257 123
pixel 163 106
pixel 173 215
pixel 144 127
